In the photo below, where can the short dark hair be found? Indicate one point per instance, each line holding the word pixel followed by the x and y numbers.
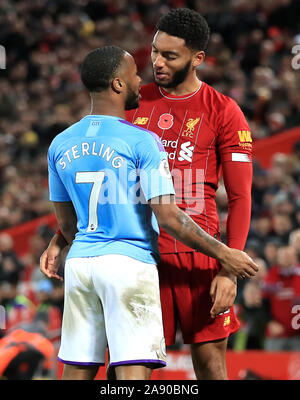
pixel 99 67
pixel 186 24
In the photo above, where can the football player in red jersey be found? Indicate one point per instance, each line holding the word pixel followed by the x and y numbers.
pixel 202 131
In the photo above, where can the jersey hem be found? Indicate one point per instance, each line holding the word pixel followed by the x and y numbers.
pixel 118 253
pixel 200 338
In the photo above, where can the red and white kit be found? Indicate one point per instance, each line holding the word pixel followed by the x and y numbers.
pixel 203 132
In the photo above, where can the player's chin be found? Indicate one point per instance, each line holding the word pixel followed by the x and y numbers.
pixel 163 82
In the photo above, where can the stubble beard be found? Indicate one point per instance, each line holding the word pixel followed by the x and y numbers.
pixel 178 77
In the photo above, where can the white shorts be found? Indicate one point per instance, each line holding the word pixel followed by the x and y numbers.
pixel 112 300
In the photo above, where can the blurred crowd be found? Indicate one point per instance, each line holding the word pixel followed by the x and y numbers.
pixel 31 311
pixel 249 58
pixel 268 305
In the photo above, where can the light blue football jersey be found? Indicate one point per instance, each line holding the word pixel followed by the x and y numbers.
pixel 109 169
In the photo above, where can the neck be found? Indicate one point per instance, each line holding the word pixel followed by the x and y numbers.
pixel 189 85
pixel 104 105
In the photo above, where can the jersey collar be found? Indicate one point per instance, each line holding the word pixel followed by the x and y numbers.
pixel 174 97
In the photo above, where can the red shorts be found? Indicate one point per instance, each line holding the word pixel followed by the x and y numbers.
pixel 185 280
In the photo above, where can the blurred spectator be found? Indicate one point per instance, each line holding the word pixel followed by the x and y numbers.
pixel 282 226
pixel 294 241
pixel 262 227
pixel 37 244
pixel 253 248
pixel 297 217
pixel 295 156
pixel 25 355
pixel 10 265
pixel 271 250
pixel 57 295
pixel 18 308
pixel 48 311
pixel 282 289
pixel 253 312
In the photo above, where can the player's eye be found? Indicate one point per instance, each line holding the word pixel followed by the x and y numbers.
pixel 169 56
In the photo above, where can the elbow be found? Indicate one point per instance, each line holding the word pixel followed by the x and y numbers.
pixel 66 227
pixel 166 220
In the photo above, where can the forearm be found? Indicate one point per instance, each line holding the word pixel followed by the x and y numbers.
pixel 66 219
pixel 58 240
pixel 239 202
pixel 238 222
pixel 178 224
pixel 183 228
pixel 68 232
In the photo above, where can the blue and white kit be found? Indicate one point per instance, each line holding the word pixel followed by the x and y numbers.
pixel 109 169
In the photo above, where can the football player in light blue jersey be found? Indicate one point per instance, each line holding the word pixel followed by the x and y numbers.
pixel 110 184
pixel 109 169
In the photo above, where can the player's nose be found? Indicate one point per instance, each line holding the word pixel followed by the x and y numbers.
pixel 158 62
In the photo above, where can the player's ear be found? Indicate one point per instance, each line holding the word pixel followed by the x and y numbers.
pixel 117 85
pixel 198 58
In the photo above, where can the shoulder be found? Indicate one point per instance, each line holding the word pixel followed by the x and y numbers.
pixel 142 135
pixel 219 100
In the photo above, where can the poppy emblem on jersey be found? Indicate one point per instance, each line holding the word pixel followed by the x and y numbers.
pixel 165 121
pixel 190 127
pixel 141 121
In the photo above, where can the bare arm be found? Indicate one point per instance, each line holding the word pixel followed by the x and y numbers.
pixel 66 219
pixel 51 257
pixel 178 224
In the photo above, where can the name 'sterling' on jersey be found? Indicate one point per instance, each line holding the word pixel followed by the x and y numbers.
pixel 91 149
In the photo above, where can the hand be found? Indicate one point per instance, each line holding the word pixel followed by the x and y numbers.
pixel 223 292
pixel 49 262
pixel 238 263
pixel 51 258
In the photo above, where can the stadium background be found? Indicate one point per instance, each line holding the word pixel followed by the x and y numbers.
pixel 251 57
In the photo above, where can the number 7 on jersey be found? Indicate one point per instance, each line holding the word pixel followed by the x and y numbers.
pixel 96 178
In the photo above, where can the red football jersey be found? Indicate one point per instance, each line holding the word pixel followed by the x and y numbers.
pixel 282 288
pixel 200 132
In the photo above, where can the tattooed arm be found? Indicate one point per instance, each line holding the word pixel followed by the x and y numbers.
pixel 178 224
